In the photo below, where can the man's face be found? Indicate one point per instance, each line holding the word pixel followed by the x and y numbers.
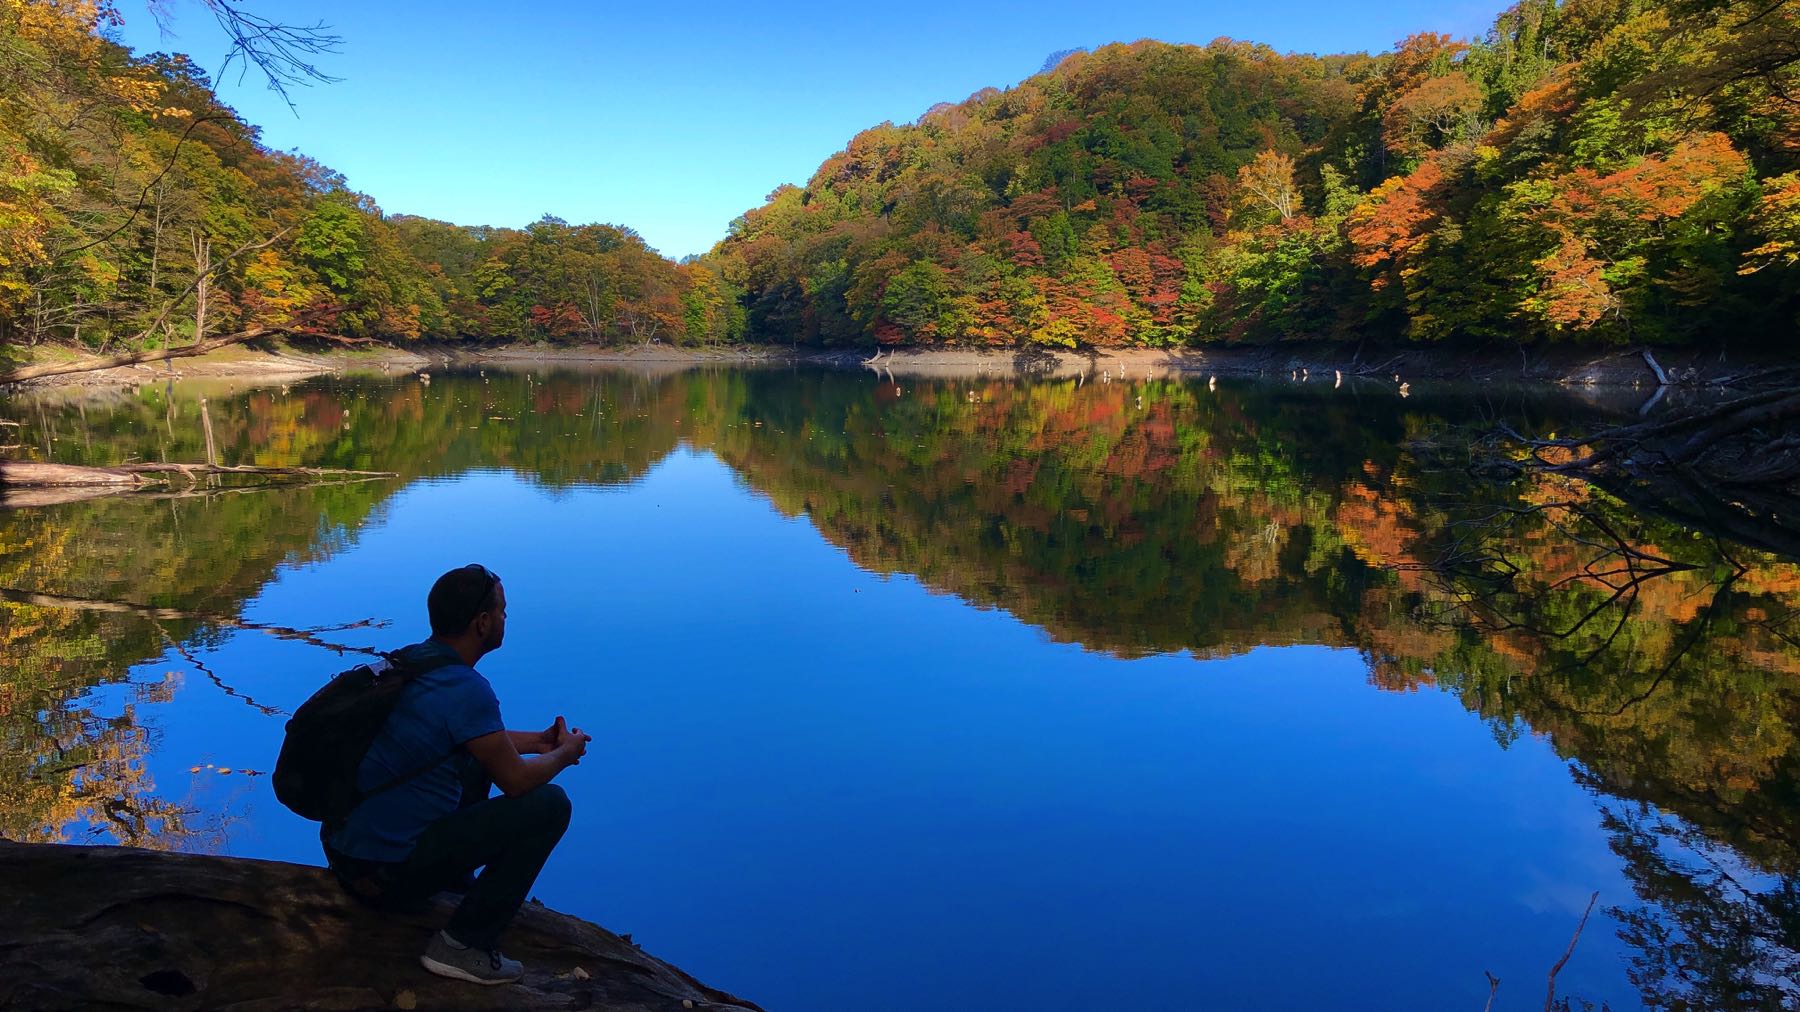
pixel 491 624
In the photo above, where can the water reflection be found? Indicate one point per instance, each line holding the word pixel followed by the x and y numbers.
pixel 1133 519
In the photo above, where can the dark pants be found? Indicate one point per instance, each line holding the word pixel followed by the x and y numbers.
pixel 508 838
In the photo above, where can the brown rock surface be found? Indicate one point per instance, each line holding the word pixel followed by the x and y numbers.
pixel 121 928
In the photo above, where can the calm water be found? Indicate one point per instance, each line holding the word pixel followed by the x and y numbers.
pixel 968 694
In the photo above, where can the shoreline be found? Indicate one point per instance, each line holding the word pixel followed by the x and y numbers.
pixel 1624 368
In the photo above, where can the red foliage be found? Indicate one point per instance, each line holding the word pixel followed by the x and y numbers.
pixel 1414 59
pixel 1167 274
pixel 1023 249
pixel 562 320
pixel 1220 197
pixel 1574 286
pixel 1132 265
pixel 1041 204
pixel 1061 131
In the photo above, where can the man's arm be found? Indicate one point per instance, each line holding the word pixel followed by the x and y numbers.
pixel 532 742
pixel 515 774
pixel 538 742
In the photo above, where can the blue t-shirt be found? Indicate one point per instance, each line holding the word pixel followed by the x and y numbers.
pixel 436 712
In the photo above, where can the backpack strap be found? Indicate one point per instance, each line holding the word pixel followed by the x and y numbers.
pixel 406 673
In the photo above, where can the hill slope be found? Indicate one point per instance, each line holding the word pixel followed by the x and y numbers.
pixel 1597 171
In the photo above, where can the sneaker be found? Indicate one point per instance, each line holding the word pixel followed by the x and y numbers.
pixel 447 957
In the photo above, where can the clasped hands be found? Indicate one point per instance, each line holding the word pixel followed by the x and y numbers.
pixel 558 739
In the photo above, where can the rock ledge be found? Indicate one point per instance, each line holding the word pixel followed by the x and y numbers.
pixel 122 928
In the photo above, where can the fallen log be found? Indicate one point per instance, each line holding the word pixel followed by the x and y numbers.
pixel 14 497
pixel 123 928
pixel 29 372
pixel 305 325
pixel 31 473
pixel 1731 469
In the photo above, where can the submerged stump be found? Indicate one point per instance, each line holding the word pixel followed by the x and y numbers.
pixel 123 928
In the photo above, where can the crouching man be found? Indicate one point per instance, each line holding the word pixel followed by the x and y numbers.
pixel 427 823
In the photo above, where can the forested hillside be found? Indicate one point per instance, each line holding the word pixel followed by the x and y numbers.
pixel 1596 171
pixel 136 209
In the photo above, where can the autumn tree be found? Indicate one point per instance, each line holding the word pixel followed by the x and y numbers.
pixel 1268 183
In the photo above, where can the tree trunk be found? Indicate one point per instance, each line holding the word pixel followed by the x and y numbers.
pixel 202 283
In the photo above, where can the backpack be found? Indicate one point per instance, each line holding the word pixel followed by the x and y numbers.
pixel 315 774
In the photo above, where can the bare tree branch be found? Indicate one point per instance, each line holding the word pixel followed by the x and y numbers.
pixel 1550 999
pixel 284 53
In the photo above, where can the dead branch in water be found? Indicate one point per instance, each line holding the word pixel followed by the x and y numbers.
pixel 195 662
pixel 1731 469
pixel 309 636
pixel 1550 999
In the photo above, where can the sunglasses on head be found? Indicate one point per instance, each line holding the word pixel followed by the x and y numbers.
pixel 487 574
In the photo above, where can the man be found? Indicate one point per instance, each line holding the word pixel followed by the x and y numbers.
pixel 435 825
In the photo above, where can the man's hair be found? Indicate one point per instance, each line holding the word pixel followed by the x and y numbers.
pixel 458 596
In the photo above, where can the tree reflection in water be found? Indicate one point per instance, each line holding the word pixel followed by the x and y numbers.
pixel 1665 674
pixel 1131 518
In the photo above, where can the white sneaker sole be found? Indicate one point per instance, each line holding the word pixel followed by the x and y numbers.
pixel 457 973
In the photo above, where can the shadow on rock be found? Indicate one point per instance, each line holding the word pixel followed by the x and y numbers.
pixel 121 928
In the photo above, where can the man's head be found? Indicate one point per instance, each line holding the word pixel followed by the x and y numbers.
pixel 468 608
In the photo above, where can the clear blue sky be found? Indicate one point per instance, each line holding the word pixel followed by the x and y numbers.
pixel 673 118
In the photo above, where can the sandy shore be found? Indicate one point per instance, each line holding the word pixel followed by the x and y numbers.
pixel 1624 368
pixel 1561 367
pixel 278 363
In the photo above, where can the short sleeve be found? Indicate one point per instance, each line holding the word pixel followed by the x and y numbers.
pixel 473 710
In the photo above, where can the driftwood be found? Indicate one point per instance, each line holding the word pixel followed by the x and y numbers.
pixel 26 484
pixel 35 474
pixel 14 497
pixel 1731 468
pixel 121 928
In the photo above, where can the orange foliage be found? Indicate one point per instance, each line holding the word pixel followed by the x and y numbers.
pixel 1596 219
pixel 1776 220
pixel 1389 226
pixel 1552 100
pixel 1655 188
pixel 1429 112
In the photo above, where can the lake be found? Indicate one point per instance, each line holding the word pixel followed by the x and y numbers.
pixel 968 693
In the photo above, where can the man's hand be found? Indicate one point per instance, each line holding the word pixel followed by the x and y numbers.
pixel 547 741
pixel 569 743
pixel 550 736
pixel 557 746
